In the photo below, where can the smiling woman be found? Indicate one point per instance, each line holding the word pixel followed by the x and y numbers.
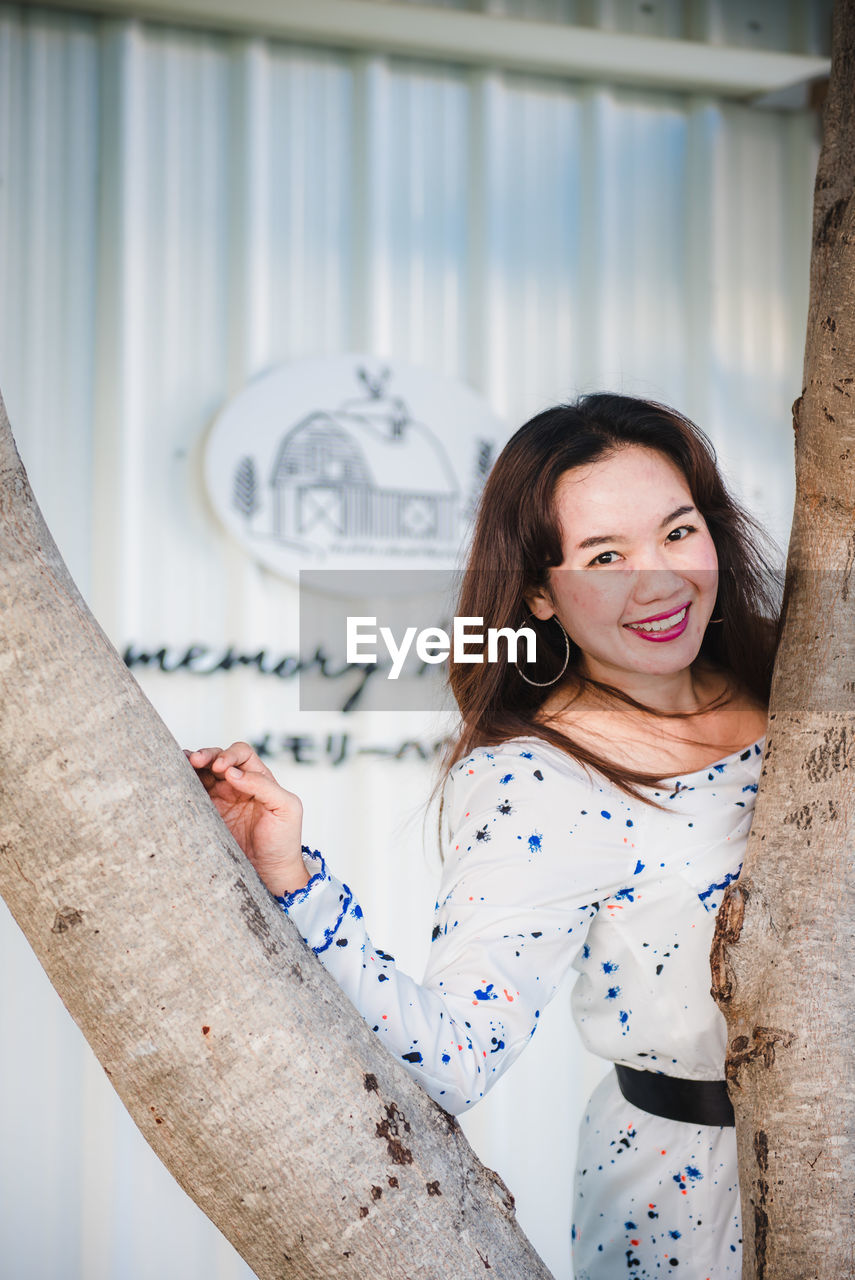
pixel 659 589
pixel 595 808
pixel 606 516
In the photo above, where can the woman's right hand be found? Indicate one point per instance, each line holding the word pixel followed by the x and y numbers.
pixel 264 818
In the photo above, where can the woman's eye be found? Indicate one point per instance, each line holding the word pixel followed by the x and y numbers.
pixel 600 560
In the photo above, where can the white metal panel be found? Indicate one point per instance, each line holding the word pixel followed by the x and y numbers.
pixel 620 45
pixel 49 135
pixel 179 211
pixel 794 26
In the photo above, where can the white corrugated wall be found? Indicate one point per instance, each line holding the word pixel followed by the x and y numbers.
pixel 180 210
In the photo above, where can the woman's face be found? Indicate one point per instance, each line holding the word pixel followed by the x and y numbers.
pixel 635 547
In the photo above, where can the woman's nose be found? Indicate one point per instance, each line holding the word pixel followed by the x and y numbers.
pixel 654 584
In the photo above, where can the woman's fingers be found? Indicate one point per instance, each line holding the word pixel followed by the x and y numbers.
pixel 203 757
pixel 239 755
pixel 202 760
pixel 264 788
pixel 263 817
pixel 241 767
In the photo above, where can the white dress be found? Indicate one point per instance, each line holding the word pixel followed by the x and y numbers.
pixel 546 867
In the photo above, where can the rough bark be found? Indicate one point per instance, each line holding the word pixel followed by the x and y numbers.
pixel 248 1072
pixel 784 953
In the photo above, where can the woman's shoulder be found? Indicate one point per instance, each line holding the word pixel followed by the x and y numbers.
pixel 517 759
pixel 526 794
pixel 523 772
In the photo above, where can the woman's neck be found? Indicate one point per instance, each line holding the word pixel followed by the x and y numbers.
pixel 685 692
pixel 691 694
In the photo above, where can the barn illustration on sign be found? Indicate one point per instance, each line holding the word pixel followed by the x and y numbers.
pixel 366 472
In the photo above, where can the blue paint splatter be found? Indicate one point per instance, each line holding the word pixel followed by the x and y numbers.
pixel 586 951
pixel 446 1057
pixel 639 867
pixel 487 994
pixel 605 813
pixel 535 842
pixel 509 777
pixel 675 1235
pixel 728 879
pixel 613 993
pixel 629 822
pixel 609 966
pixel 623 1016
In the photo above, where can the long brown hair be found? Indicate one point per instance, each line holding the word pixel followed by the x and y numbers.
pixel 517 540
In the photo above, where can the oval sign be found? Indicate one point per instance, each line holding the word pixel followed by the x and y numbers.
pixel 351 462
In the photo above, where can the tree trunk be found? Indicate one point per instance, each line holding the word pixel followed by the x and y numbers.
pixel 784 951
pixel 245 1067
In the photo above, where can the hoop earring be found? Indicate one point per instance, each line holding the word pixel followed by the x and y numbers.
pixel 544 684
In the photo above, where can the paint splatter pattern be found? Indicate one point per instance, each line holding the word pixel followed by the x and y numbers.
pixel 546 868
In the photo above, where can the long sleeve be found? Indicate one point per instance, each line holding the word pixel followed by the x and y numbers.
pixel 528 861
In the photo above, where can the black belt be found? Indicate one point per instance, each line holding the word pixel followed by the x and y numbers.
pixel 693 1101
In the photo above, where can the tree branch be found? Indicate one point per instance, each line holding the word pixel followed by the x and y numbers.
pixel 245 1068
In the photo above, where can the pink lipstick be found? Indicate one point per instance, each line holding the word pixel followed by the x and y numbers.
pixel 656 635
